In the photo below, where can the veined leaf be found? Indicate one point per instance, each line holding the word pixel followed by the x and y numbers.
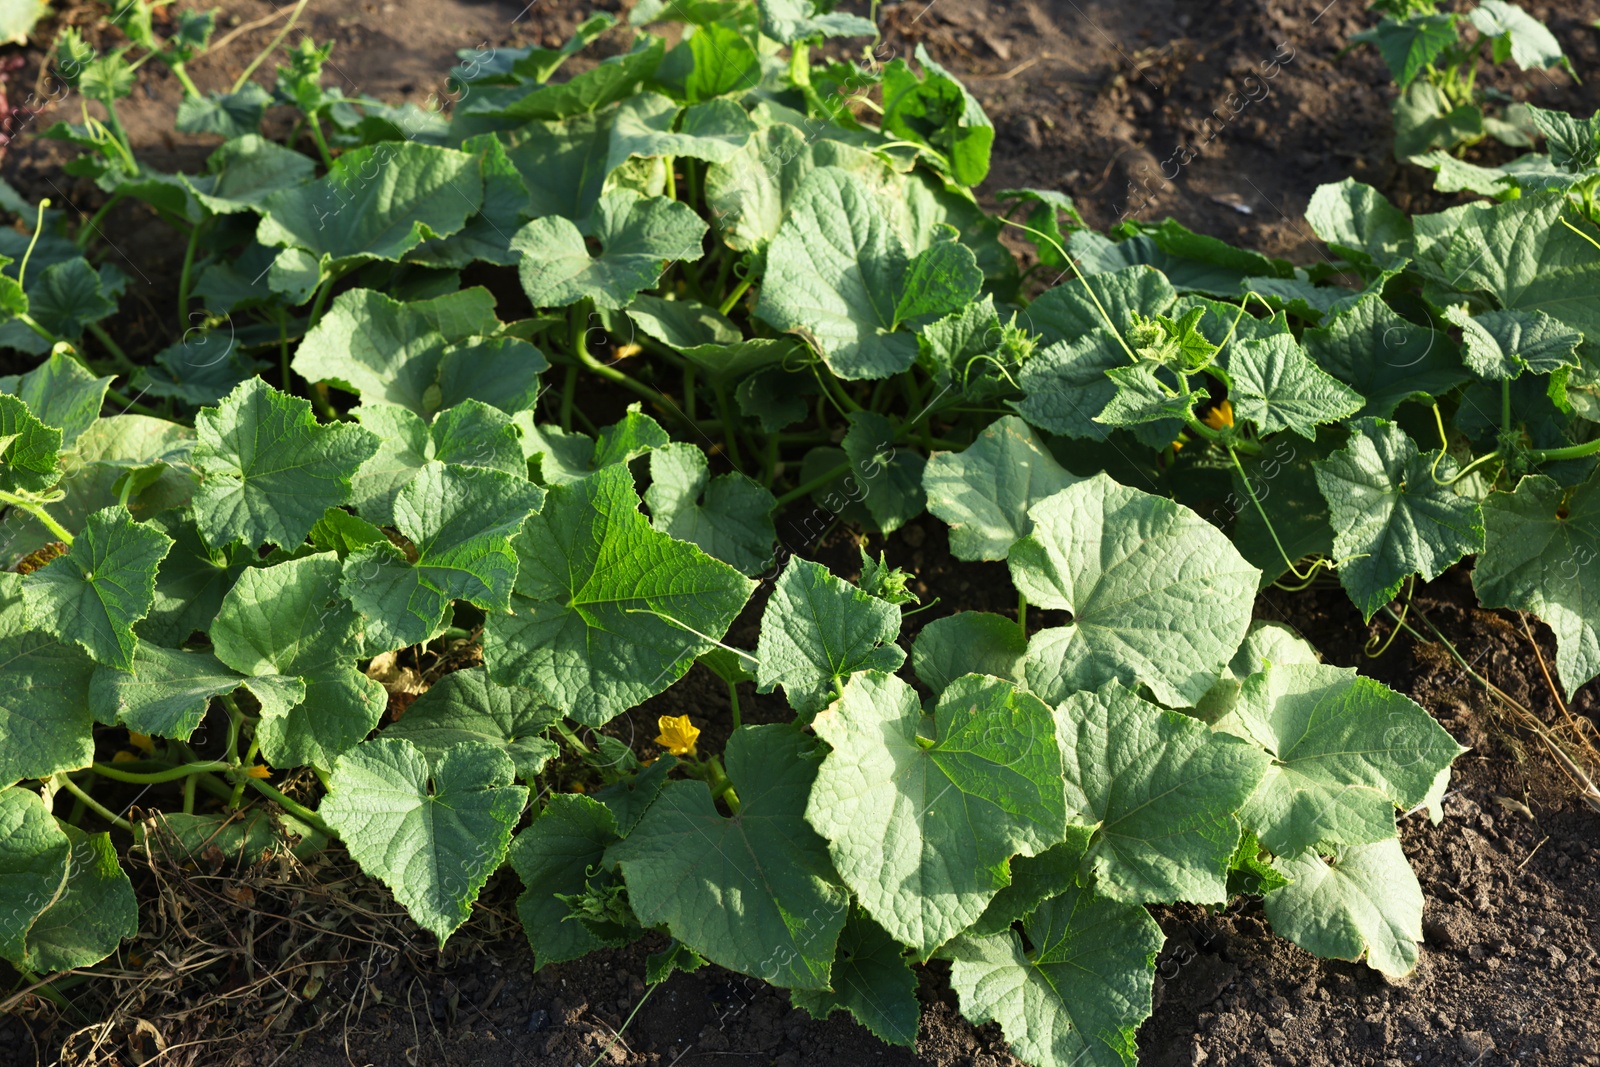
pixel 872 981
pixel 1540 555
pixel 164 693
pixel 560 854
pixel 93 595
pixel 60 392
pixel 1346 752
pixel 1392 515
pixel 969 642
pixel 471 436
pixel 936 110
pixel 1385 358
pixel 1408 45
pixel 461 521
pixel 755 893
pixel 1504 344
pixel 269 470
pixel 1276 386
pixel 1079 995
pixel 788 21
pixel 1159 597
pixel 729 517
pixel 648 125
pixel 34 857
pixel 29 450
pixel 94 911
pixel 1530 43
pixel 817 631
pixel 467 706
pixel 606 610
pixel 891 479
pixel 433 847
pixel 985 492
pixel 639 237
pixel 1160 791
pixel 1366 903
pixel 921 817
pixel 1360 224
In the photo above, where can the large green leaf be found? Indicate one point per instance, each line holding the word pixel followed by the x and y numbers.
pixel 467 706
pixel 29 450
pixel 638 236
pixel 471 436
pixel 60 392
pixel 1385 358
pixel 44 696
pixel 1542 554
pixel 985 492
pixel 1366 903
pixel 969 642
pixel 560 853
pixel 788 21
pixel 1160 791
pixel 95 910
pixel 432 833
pixel 1158 596
pixel 936 110
pixel 1528 41
pixel 190 583
pixel 648 125
pixel 729 517
pixel 890 479
pixel 817 631
pixel 1504 344
pixel 1076 997
pixel 612 79
pixel 34 854
pixel 754 893
pixel 839 273
pixel 1360 224
pixel 1346 751
pixel 164 693
pixel 288 629
pixel 607 611
pixel 1412 44
pixel 1393 513
pixel 1274 384
pixel 269 469
pixel 93 595
pixel 460 521
pixel 871 980
pixel 377 202
pixel 922 816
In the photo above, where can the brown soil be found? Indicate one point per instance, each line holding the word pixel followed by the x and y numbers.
pixel 315 965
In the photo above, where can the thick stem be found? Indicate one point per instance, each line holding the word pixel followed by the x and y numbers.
pixel 1555 455
pixel 172 774
pixel 315 125
pixel 805 489
pixel 1022 614
pixel 183 275
pixel 1505 406
pixel 182 75
pixel 293 807
pixel 92 804
pixel 738 292
pixel 60 532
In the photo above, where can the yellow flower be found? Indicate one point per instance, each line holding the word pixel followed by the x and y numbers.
pixel 578 787
pixel 260 770
pixel 1177 446
pixel 1220 417
pixel 124 756
pixel 141 742
pixel 678 734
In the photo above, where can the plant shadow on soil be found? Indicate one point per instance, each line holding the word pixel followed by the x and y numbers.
pixel 315 965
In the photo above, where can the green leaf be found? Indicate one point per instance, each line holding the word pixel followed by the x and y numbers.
pixel 612 79
pixel 721 61
pixel 377 202
pixel 936 110
pixel 872 981
pixel 1144 396
pixel 344 533
pixel 754 893
pixel 1160 789
pixel 1425 119
pixel 1360 224
pixel 1366 903
pixel 1078 996
pixel 425 356
pixel 1158 596
pixel 460 521
pixel 1346 751
pixel 1268 644
pixel 60 392
pixel 1034 880
pixel 817 631
pixel 269 469
pixel 17 19
pixel 891 481
pixel 28 448
pixel 1383 357
pixel 190 583
pixel 1409 45
pixel 1392 516
pixel 164 693
pixel 244 171
pixel 34 855
pixel 1275 385
pixel 94 912
pixel 1574 143
pixel 44 697
pixel 487 235
pixel 607 611
pixel 921 817
pixel 629 798
pixel 1522 254
pixel 647 125
pixel 788 21
pixel 944 278
pixel 93 595
pixel 433 847
pixel 68 297
pixel 639 237
pixel 296 639
pixel 969 642
pixel 1532 45
pixel 1502 344
pixel 729 517
pixel 1540 555
pixel 984 493
pixel 837 270
pixel 467 706
pixel 471 436
pixel 560 854
pixel 232 115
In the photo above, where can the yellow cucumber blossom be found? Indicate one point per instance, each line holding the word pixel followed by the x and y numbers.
pixel 260 770
pixel 1219 417
pixel 678 734
pixel 141 742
